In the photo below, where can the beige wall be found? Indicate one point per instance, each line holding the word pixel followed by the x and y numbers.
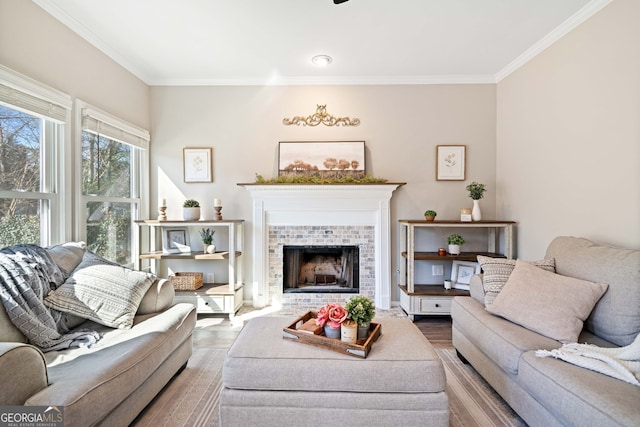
pixel 35 44
pixel 568 145
pixel 401 126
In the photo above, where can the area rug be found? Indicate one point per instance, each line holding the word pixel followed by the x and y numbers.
pixel 191 399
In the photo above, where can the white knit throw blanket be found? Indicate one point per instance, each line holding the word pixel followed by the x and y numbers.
pixel 622 362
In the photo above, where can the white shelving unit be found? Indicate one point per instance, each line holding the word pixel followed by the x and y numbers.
pixel 434 299
pixel 211 297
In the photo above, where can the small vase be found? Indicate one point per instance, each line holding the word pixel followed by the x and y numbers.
pixel 211 249
pixel 191 214
pixel 329 332
pixel 476 215
pixel 363 331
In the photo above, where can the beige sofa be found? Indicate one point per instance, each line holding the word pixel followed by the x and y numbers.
pixel 107 384
pixel 548 391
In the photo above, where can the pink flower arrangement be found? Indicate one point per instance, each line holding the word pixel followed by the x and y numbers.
pixel 332 315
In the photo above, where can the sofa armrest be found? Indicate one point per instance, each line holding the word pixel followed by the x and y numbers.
pixel 158 298
pixel 476 288
pixel 23 372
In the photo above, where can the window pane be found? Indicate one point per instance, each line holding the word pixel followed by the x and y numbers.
pixel 19 150
pixel 106 166
pixel 19 221
pixel 109 230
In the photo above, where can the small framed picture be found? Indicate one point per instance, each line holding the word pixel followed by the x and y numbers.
pixel 451 163
pixel 461 272
pixel 175 240
pixel 197 164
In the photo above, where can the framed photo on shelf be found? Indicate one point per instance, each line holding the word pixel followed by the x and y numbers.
pixel 461 272
pixel 451 162
pixel 197 164
pixel 175 240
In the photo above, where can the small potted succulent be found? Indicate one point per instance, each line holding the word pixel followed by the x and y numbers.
pixel 362 310
pixel 476 192
pixel 454 241
pixel 430 215
pixel 207 240
pixel 191 210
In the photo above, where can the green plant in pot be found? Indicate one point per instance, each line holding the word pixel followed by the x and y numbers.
pixel 476 192
pixel 207 240
pixel 454 241
pixel 430 215
pixel 191 210
pixel 362 310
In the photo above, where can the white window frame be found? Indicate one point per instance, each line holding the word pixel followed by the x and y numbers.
pixel 20 92
pixel 129 134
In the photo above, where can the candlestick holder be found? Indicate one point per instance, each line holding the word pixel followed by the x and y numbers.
pixel 162 213
pixel 218 213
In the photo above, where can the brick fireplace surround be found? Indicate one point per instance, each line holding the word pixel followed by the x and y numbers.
pixel 321 215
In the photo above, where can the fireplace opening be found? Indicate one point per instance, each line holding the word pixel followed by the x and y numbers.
pixel 321 269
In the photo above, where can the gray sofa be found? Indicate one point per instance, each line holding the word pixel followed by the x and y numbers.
pixel 548 391
pixel 107 384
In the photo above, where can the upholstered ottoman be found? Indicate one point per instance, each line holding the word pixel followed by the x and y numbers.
pixel 270 381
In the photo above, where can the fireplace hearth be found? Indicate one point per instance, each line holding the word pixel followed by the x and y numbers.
pixel 320 269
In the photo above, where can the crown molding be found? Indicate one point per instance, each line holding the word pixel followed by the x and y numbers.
pixel 567 26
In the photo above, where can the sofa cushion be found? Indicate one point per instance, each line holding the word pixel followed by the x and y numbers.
pixel 158 298
pixel 501 340
pixel 548 303
pixel 577 396
pixel 497 272
pixel 67 255
pixel 616 317
pixel 101 291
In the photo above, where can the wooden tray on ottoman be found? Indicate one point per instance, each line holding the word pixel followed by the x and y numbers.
pixel 360 349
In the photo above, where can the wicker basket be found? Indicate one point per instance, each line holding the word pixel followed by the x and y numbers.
pixel 186 281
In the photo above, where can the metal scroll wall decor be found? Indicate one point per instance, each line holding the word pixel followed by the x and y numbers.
pixel 321 116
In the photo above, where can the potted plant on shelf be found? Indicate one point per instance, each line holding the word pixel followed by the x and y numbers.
pixel 430 215
pixel 330 317
pixel 191 210
pixel 454 241
pixel 362 310
pixel 207 240
pixel 476 192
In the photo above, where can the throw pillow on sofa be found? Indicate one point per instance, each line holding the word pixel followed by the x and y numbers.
pixel 550 304
pixel 101 291
pixel 496 272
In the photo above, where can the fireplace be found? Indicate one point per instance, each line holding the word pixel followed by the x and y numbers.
pixel 320 269
pixel 320 215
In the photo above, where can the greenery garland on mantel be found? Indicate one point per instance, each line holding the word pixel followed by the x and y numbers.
pixel 318 180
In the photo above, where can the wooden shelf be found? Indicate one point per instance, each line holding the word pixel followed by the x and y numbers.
pixel 434 290
pixel 464 256
pixel 187 255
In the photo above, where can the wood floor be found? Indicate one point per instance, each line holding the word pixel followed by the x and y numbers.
pixel 437 329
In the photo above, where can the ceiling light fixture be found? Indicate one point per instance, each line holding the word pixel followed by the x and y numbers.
pixel 321 60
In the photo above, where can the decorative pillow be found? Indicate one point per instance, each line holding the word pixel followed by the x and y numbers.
pixel 101 291
pixel 67 255
pixel 496 271
pixel 547 303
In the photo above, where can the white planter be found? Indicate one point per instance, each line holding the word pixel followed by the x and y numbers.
pixel 454 249
pixel 191 214
pixel 476 215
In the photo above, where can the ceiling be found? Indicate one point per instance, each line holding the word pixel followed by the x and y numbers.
pixel 256 42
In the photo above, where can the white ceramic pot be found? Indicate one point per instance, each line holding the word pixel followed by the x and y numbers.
pixel 211 249
pixel 191 214
pixel 454 249
pixel 476 215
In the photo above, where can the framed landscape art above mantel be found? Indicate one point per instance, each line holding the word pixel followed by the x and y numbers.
pixel 324 159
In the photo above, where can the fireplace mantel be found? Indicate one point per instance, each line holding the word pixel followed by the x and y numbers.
pixel 322 205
